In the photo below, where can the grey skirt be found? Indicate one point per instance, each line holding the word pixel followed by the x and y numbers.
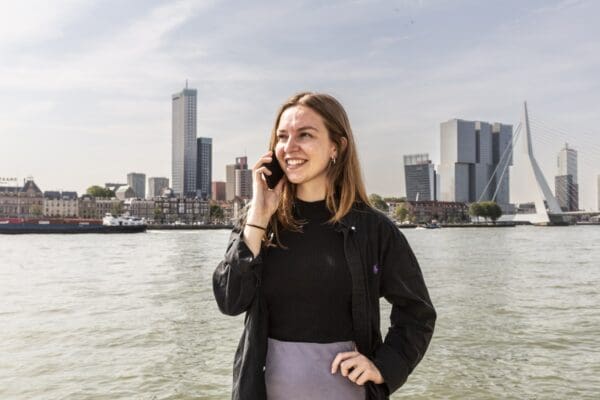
pixel 298 371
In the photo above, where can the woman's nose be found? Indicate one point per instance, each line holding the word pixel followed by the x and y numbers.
pixel 290 145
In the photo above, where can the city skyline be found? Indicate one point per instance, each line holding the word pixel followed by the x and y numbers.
pixel 399 68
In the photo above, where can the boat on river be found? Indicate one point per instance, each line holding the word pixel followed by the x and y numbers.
pixel 109 224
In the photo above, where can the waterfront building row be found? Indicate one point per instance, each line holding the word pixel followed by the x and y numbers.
pixel 424 211
pixel 28 201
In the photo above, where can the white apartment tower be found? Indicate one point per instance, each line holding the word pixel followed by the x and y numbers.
pixel 567 162
pixel 566 189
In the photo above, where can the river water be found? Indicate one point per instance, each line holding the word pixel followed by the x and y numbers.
pixel 133 316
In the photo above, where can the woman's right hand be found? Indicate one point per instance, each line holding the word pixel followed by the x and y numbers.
pixel 264 200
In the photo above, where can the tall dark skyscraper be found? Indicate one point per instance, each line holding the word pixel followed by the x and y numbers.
pixel 204 170
pixel 184 146
pixel 419 175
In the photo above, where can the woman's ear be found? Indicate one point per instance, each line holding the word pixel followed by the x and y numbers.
pixel 343 145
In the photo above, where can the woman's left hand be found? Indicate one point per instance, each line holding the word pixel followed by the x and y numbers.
pixel 358 368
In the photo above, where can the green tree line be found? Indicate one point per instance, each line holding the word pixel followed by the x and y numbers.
pixel 486 209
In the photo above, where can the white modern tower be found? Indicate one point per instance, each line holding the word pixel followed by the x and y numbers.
pixel 472 158
pixel 528 184
pixel 566 188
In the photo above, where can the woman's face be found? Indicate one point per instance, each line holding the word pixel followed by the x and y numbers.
pixel 304 148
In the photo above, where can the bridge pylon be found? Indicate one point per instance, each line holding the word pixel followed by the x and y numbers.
pixel 528 185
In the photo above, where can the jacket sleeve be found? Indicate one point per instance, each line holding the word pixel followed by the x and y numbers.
pixel 412 317
pixel 237 276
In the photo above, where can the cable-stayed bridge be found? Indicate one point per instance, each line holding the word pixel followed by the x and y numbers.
pixel 529 191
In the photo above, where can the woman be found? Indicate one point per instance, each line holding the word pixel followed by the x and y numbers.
pixel 308 265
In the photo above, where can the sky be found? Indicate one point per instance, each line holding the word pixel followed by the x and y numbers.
pixel 85 86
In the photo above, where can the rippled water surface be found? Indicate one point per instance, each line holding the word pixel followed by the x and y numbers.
pixel 133 316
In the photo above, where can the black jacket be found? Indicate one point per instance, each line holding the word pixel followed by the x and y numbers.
pixel 381 264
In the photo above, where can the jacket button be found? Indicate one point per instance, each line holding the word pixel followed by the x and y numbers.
pixel 353 228
pixel 264 368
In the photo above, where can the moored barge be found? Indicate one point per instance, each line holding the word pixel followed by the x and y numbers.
pixel 110 224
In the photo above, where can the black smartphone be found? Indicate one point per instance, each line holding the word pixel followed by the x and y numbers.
pixel 276 173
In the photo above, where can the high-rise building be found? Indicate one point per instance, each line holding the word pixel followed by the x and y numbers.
pixel 566 192
pixel 156 186
pixel 230 182
pixel 238 179
pixel 204 168
pixel 419 177
pixel 566 188
pixel 567 162
pixel 184 146
pixel 474 161
pixel 243 183
pixel 137 182
pixel 218 191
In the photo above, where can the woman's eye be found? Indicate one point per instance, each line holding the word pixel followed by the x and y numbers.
pixel 281 137
pixel 305 134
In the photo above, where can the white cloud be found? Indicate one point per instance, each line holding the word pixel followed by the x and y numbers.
pixel 27 22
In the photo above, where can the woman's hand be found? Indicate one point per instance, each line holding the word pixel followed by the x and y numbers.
pixel 358 368
pixel 264 200
pixel 263 206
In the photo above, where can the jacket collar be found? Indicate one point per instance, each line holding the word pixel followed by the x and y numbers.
pixel 349 221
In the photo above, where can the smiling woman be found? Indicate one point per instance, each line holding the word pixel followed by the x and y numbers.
pixel 308 264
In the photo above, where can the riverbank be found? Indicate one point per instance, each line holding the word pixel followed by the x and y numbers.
pixel 469 225
pixel 188 227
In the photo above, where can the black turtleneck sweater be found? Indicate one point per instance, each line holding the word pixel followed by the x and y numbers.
pixel 307 284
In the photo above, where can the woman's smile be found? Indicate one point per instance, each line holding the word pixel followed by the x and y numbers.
pixel 294 163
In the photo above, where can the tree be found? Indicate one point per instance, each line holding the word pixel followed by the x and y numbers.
pixel 394 199
pixel 216 212
pixel 401 212
pixel 158 215
pixel 378 202
pixel 117 208
pixel 486 209
pixel 492 210
pixel 36 210
pixel 475 210
pixel 98 191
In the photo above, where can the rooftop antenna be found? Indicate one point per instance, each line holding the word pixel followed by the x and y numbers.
pixel 186 83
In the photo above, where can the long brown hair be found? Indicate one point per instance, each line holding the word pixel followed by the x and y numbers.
pixel 345 185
